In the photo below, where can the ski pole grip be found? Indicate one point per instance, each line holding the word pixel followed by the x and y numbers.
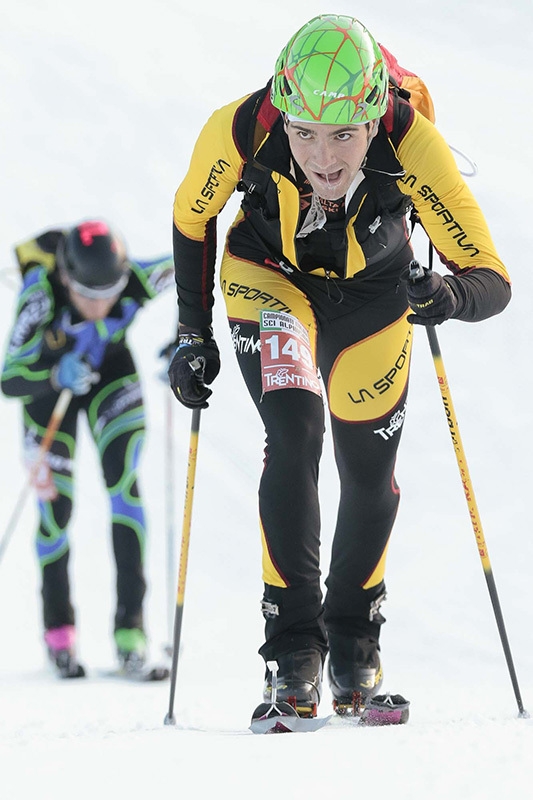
pixel 416 272
pixel 197 364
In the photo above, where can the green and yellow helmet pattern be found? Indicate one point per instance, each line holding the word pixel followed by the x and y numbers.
pixel 331 71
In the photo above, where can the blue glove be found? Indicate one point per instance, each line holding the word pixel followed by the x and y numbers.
pixel 166 353
pixel 71 372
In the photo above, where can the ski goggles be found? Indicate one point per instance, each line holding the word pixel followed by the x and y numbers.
pixel 99 292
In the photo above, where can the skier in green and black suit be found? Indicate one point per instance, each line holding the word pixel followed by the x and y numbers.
pixel 79 295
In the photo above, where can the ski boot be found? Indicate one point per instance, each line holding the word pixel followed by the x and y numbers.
pixel 61 650
pixel 354 672
pixel 299 681
pixel 355 677
pixel 131 650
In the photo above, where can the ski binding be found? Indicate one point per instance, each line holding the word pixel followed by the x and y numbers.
pixel 282 717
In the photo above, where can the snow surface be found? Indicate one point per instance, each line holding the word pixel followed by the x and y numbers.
pixel 102 103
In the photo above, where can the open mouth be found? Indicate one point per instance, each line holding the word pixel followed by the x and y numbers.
pixel 330 178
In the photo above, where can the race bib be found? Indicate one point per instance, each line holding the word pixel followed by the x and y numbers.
pixel 286 360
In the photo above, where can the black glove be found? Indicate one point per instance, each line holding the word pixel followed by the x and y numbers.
pixel 430 295
pixel 196 363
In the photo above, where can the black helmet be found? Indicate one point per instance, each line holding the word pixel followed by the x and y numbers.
pixel 94 260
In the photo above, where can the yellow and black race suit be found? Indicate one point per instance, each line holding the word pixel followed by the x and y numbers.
pixel 342 283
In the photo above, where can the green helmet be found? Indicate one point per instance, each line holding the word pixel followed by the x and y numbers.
pixel 331 71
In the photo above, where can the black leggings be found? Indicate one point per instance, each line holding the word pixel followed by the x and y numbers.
pixel 360 343
pixel 115 414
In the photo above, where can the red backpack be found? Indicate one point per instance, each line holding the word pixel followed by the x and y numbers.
pixel 409 86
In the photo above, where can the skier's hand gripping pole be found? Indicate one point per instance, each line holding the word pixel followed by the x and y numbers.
pixel 184 555
pixel 417 273
pixel 55 421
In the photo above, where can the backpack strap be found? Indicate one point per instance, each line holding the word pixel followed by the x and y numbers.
pixel 390 119
pixel 255 177
pixel 398 117
pixel 264 115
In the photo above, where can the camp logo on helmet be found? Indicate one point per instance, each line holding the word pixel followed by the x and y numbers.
pixel 338 95
pixel 88 230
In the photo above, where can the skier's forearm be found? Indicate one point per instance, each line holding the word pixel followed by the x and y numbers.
pixel 194 263
pixel 26 375
pixel 481 294
pixel 26 384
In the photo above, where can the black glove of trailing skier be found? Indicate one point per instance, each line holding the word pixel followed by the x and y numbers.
pixel 430 296
pixel 196 363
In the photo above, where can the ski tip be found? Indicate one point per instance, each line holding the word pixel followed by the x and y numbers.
pixel 72 675
pixel 271 717
pixel 71 672
pixel 269 726
pixel 144 675
pixel 386 709
pixel 288 724
pixel 283 718
pixel 157 674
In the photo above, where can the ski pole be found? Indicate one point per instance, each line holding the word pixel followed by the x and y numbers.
pixel 170 516
pixel 416 273
pixel 55 421
pixel 182 576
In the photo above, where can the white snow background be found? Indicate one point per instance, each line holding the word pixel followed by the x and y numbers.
pixel 101 105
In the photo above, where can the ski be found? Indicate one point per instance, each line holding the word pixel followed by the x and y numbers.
pixel 282 717
pixel 65 665
pixel 144 675
pixel 381 710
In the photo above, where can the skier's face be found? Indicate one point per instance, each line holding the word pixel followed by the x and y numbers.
pixel 90 308
pixel 329 155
